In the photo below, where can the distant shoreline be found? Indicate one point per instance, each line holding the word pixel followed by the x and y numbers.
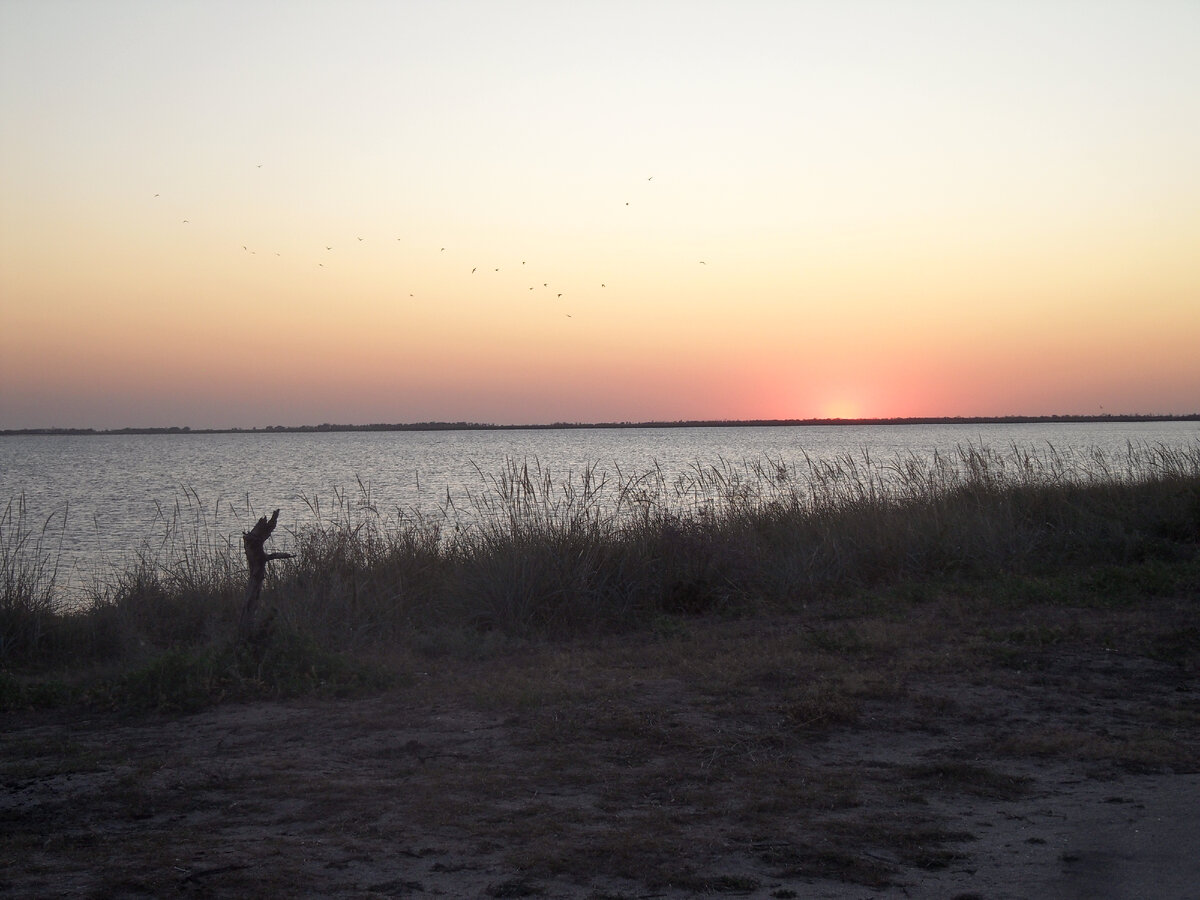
pixel 567 426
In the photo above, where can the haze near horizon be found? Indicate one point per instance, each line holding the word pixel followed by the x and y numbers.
pixel 245 214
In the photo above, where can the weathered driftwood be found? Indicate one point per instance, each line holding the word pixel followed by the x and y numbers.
pixel 257 559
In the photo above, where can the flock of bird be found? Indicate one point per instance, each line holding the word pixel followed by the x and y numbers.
pixel 330 247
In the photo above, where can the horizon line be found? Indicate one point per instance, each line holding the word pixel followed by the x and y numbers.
pixel 679 423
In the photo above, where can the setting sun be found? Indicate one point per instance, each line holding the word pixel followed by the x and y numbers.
pixel 840 408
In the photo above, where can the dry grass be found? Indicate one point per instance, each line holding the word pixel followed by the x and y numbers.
pixel 753 755
pixel 528 558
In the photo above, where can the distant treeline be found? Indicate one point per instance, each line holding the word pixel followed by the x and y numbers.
pixel 683 423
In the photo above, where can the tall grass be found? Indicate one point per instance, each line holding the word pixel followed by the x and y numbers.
pixel 532 555
pixel 29 596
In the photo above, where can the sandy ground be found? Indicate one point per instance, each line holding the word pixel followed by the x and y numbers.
pixel 637 784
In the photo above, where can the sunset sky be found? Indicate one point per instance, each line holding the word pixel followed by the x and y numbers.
pixel 247 213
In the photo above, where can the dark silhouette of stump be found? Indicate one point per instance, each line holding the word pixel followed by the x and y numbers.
pixel 257 559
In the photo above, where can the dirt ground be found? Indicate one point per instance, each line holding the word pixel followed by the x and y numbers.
pixel 761 759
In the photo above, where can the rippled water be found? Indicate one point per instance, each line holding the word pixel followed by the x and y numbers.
pixel 106 496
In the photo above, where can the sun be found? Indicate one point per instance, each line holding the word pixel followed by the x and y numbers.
pixel 840 407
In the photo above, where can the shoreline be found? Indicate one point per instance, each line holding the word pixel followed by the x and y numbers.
pixel 652 424
pixel 988 689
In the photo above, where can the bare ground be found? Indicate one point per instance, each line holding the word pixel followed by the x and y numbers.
pixel 941 748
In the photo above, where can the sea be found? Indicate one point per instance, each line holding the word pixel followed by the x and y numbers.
pixel 95 502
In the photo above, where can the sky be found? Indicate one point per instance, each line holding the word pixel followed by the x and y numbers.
pixel 242 214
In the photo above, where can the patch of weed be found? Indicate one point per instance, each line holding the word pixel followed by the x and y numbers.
pixel 190 679
pixel 967 778
pixel 31 693
pixel 798 860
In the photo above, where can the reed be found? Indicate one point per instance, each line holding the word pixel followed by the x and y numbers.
pixel 30 600
pixel 530 555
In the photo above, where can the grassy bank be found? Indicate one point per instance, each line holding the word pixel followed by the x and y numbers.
pixel 533 559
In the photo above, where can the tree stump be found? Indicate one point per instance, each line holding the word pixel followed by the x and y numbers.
pixel 257 559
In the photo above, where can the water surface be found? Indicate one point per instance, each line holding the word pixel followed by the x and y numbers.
pixel 102 497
